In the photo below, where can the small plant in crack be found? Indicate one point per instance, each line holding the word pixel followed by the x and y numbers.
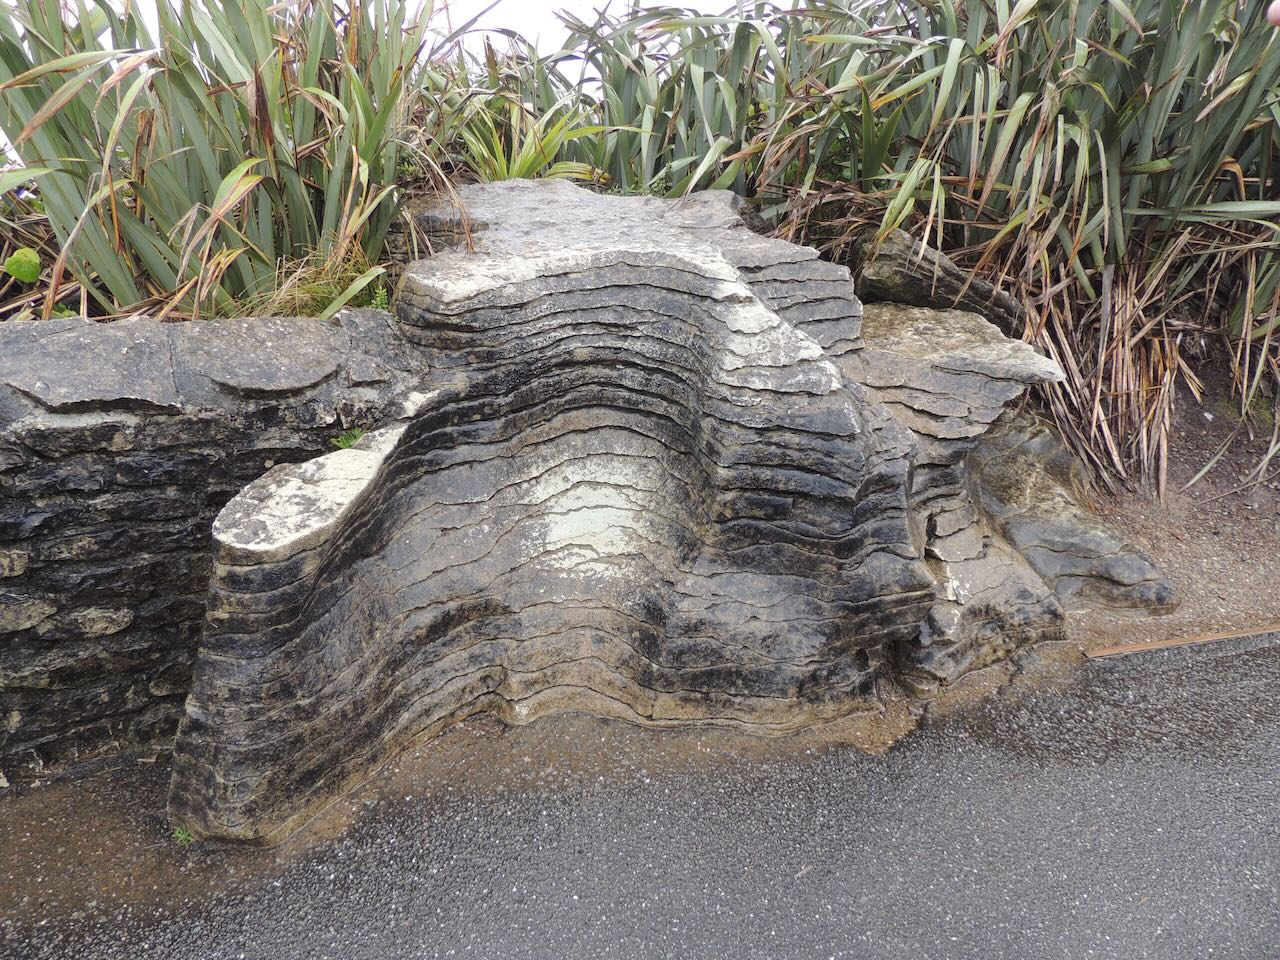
pixel 347 438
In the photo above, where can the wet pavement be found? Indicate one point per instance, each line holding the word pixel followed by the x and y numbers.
pixel 1125 808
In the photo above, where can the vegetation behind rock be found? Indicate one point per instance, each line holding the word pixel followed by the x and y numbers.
pixel 1111 166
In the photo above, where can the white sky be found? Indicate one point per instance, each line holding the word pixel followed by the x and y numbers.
pixel 536 20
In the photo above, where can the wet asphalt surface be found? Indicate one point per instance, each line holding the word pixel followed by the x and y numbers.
pixel 1122 809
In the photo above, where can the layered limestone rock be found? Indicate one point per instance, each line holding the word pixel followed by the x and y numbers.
pixel 1031 490
pixel 119 444
pixel 665 470
pixel 635 490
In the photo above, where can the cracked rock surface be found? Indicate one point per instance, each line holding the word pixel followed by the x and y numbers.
pixel 119 444
pixel 663 469
pixel 948 375
pixel 1031 489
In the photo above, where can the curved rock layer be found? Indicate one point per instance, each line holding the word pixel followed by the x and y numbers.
pixel 648 482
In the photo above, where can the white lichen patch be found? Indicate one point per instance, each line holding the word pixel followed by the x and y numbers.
pixel 554 475
pixel 381 441
pixel 777 346
pixel 415 402
pixel 746 315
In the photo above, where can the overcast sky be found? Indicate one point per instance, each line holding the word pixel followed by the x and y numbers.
pixel 536 19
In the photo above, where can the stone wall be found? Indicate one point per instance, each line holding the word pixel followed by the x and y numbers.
pixel 119 443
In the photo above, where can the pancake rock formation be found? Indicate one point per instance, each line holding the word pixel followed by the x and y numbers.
pixel 120 443
pixel 661 469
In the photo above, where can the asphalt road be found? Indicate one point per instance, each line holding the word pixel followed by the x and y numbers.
pixel 1119 809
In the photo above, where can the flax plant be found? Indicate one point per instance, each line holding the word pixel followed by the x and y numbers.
pixel 179 169
pixel 1111 163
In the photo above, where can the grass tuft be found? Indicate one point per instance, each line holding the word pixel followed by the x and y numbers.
pixel 317 286
pixel 348 438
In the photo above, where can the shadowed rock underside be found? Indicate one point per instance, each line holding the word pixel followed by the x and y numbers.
pixel 658 475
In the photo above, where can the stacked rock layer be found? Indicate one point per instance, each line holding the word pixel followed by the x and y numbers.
pixel 659 475
pixel 119 444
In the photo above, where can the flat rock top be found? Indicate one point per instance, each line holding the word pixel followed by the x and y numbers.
pixel 296 506
pixel 72 364
pixel 262 354
pixel 528 218
pixel 525 229
pixel 65 363
pixel 954 340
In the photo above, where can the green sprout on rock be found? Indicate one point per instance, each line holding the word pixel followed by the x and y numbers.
pixel 348 438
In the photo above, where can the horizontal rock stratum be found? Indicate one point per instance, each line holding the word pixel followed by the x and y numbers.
pixel 658 470
pixel 119 444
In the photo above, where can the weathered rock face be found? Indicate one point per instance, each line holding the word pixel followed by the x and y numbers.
pixel 119 443
pixel 1031 490
pixel 898 269
pixel 948 375
pixel 635 459
pixel 636 490
pixel 665 471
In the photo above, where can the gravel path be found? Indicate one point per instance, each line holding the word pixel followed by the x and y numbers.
pixel 1124 809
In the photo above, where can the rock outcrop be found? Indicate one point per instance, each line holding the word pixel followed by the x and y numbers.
pixel 665 470
pixel 899 269
pixel 631 458
pixel 635 489
pixel 119 444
